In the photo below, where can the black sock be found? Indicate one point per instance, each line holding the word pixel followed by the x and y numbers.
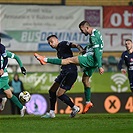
pixel 52 98
pixel 66 100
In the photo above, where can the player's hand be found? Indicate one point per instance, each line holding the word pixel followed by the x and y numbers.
pixel 123 71
pixel 101 70
pixel 23 70
pixel 82 52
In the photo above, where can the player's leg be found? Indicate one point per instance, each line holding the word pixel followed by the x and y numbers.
pixel 87 88
pixel 52 99
pixel 43 60
pixel 15 101
pixel 66 84
pixel 7 91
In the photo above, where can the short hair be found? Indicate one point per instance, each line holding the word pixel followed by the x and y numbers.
pixel 128 40
pixel 51 36
pixel 83 23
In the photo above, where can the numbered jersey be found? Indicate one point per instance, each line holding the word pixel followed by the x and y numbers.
pixel 95 41
pixel 95 48
pixel 9 55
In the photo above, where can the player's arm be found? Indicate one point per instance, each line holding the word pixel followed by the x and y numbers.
pixel 97 52
pixel 120 64
pixel 78 46
pixel 97 56
pixel 14 56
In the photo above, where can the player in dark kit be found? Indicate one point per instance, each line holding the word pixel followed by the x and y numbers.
pixel 89 61
pixel 127 59
pixel 65 79
pixel 4 56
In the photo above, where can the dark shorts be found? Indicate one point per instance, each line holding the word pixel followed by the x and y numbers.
pixel 66 79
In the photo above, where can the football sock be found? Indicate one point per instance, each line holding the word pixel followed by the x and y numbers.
pixel 54 61
pixel 52 98
pixel 87 94
pixel 16 101
pixel 66 100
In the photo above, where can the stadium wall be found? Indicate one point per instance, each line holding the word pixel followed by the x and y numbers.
pixel 103 103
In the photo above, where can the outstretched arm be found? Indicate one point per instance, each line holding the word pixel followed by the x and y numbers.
pixel 78 46
pixel 14 56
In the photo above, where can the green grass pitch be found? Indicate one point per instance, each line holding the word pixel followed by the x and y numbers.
pixel 82 123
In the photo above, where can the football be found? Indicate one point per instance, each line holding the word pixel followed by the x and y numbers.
pixel 24 96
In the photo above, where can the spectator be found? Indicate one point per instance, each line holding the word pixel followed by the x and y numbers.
pixel 17 86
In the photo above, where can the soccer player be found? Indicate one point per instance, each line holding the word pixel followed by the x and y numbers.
pixel 127 60
pixel 4 82
pixel 65 79
pixel 90 61
pixel 2 67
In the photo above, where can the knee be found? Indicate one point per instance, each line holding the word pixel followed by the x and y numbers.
pixel 85 83
pixel 58 93
pixel 8 94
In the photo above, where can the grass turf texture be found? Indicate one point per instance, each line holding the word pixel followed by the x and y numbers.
pixel 82 123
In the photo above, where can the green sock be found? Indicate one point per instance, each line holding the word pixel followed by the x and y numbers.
pixel 87 94
pixel 54 61
pixel 16 101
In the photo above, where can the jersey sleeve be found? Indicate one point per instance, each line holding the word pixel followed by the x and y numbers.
pixel 120 63
pixel 98 57
pixel 97 52
pixel 14 56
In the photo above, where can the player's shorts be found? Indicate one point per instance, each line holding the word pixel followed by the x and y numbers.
pixel 88 64
pixel 4 83
pixel 89 70
pixel 66 79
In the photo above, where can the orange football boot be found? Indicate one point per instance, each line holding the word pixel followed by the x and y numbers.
pixel 40 58
pixel 87 107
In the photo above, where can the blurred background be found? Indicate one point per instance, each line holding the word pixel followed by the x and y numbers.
pixel 25 25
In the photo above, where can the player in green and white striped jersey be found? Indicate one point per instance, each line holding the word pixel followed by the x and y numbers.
pixel 6 88
pixel 90 59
